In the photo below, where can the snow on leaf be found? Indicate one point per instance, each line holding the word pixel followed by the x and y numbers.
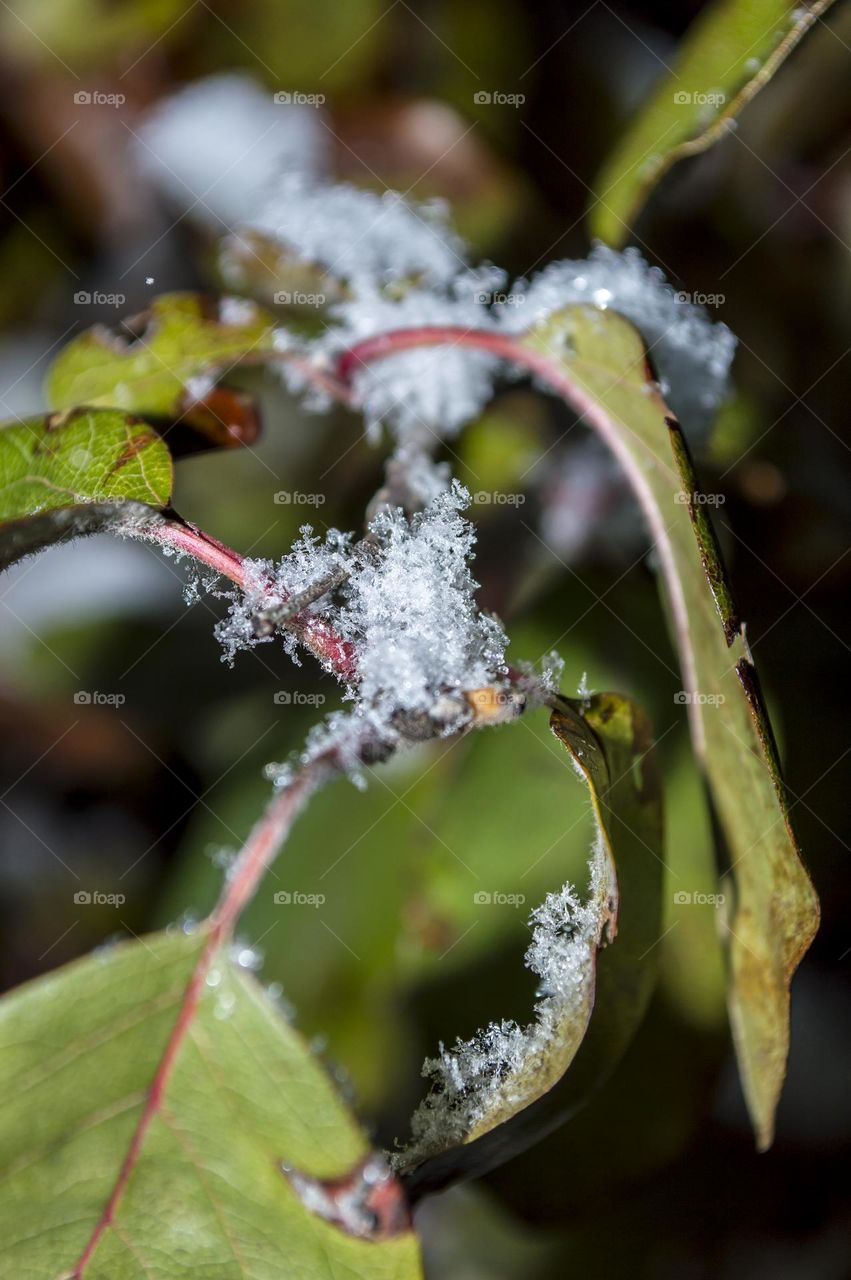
pixel 489 1093
pixel 692 354
pixel 412 615
pixel 479 1083
pixel 424 395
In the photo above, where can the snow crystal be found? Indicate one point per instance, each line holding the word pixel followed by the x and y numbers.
pixel 424 394
pixel 269 586
pixel 476 1082
pixel 216 144
pixel 360 236
pixel 413 481
pixel 412 615
pixel 692 354
pixel 539 683
pixel 407 606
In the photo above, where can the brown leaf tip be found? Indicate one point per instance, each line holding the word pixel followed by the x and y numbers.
pixel 368 1202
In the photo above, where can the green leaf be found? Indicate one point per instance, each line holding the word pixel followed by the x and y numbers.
pixel 207 1194
pixel 82 34
pixel 66 474
pixel 730 52
pixel 500 1108
pixel 163 362
pixel 775 909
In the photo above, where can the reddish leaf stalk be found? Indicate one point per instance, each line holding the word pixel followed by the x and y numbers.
pixel 257 854
pixel 316 635
pixel 550 372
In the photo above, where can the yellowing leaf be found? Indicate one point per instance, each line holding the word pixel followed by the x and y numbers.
pixel 597 359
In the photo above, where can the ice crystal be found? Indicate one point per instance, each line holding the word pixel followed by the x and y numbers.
pixel 481 1077
pixel 412 616
pixel 427 393
pixel 692 354
pixel 406 605
pixel 359 236
pixel 269 585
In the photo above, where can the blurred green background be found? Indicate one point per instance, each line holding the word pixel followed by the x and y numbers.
pixel 146 799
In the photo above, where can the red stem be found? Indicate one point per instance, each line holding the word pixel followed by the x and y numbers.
pixel 331 649
pixel 550 372
pixel 207 550
pixel 257 854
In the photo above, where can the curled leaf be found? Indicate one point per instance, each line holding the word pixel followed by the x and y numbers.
pixel 496 1094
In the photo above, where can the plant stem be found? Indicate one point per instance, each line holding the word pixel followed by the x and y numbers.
pixel 337 654
pixel 550 371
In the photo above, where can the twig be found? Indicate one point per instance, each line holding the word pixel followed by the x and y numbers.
pixel 314 633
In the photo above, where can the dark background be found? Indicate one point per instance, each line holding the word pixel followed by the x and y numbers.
pixel 658 1178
